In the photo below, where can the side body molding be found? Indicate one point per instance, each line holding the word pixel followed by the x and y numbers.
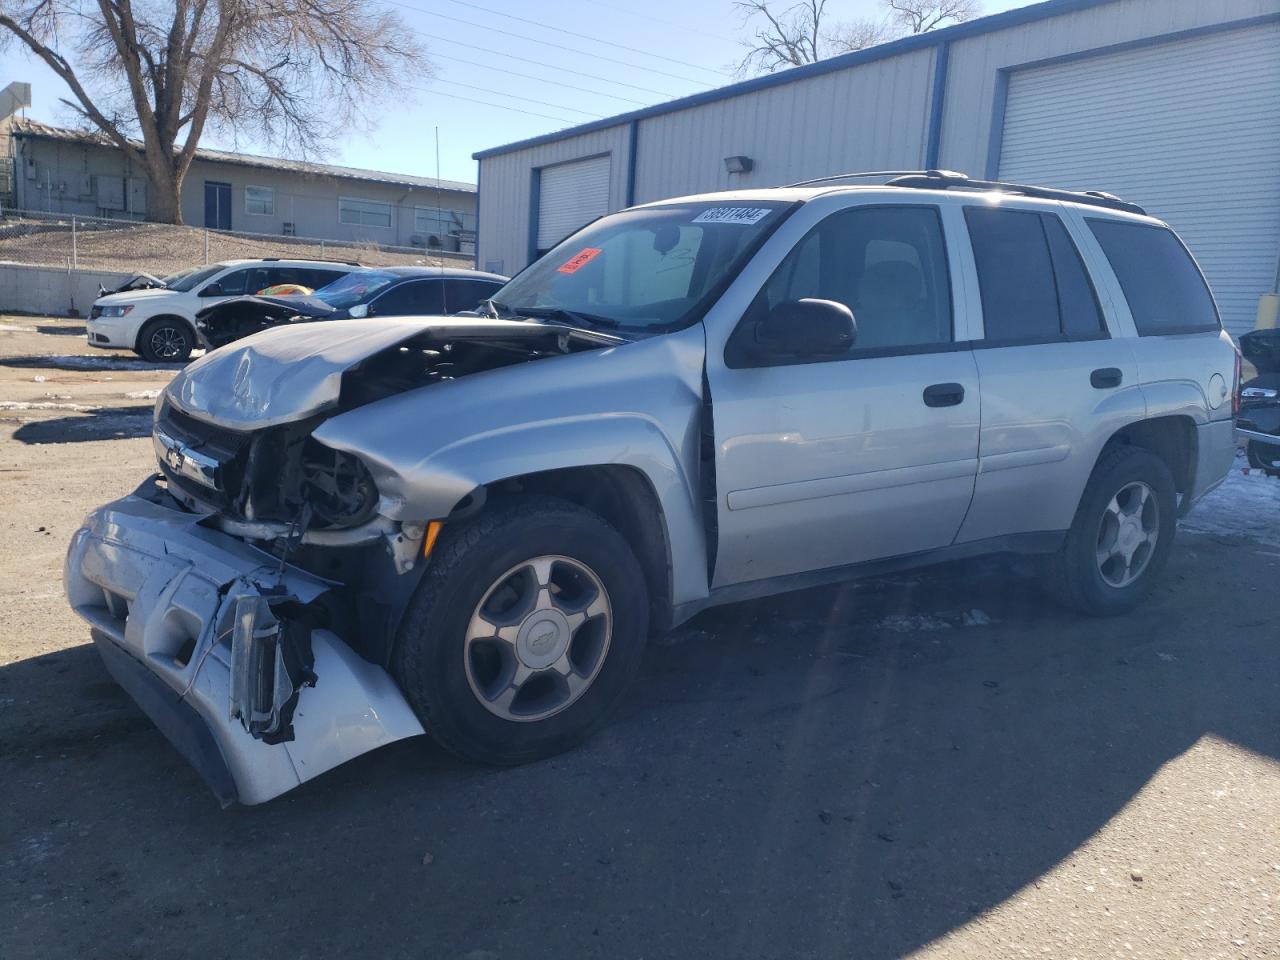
pixel 636 405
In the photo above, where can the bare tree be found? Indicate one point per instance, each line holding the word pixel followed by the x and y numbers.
pixel 803 33
pixel 284 72
pixel 921 16
pixel 847 36
pixel 783 38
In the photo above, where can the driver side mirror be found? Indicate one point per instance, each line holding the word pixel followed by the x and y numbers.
pixel 360 310
pixel 212 290
pixel 808 329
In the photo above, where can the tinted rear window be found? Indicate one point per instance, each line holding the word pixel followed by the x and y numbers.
pixel 1161 283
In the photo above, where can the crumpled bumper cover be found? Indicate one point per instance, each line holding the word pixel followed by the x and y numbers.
pixel 161 592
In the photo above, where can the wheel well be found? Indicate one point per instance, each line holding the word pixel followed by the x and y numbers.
pixel 626 500
pixel 1172 439
pixel 137 341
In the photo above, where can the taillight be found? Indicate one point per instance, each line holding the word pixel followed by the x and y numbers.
pixel 1235 388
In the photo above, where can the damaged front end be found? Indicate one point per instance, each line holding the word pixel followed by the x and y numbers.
pixel 227 650
pixel 248 595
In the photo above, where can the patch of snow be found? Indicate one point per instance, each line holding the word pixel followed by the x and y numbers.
pixel 44 405
pixel 89 361
pixel 16 328
pixel 142 395
pixel 912 623
pixel 1246 505
pixel 976 618
pixel 39 379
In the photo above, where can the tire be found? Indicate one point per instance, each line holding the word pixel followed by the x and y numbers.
pixel 450 677
pixel 1263 456
pixel 1078 575
pixel 166 340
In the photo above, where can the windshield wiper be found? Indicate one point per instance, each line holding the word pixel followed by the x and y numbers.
pixel 572 317
pixel 496 310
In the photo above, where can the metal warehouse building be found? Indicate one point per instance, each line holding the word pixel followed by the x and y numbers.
pixel 1174 104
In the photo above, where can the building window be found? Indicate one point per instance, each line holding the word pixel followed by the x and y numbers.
pixel 434 220
pixel 260 201
pixel 366 213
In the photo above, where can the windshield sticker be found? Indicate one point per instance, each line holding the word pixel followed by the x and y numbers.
pixel 579 260
pixel 743 215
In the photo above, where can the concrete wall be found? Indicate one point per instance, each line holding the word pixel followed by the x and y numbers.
pixel 52 291
pixel 61 180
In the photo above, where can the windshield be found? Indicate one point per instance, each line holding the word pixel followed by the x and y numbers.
pixel 193 278
pixel 353 288
pixel 649 269
pixel 173 278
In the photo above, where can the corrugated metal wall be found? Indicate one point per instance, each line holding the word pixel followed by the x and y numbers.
pixel 1195 140
pixel 868 116
pixel 506 190
pixel 872 117
pixel 975 62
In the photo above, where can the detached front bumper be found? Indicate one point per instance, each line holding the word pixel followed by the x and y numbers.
pixel 214 643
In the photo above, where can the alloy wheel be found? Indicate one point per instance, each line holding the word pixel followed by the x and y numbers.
pixel 1127 534
pixel 538 638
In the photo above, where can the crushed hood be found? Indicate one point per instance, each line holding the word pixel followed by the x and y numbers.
pixel 290 373
pixel 304 304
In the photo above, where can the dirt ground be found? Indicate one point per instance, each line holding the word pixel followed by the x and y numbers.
pixel 162 249
pixel 940 765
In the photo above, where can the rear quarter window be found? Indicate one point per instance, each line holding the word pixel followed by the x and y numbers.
pixel 1163 286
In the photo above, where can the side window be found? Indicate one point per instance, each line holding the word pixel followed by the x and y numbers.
pixel 315 279
pixel 467 294
pixel 1015 275
pixel 1077 301
pixel 887 264
pixel 421 296
pixel 1162 285
pixel 233 283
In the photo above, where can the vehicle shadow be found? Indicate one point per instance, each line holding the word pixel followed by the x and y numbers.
pixel 72 361
pixel 104 423
pixel 845 772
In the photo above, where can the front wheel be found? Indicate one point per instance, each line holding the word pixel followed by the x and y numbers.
pixel 526 630
pixel 166 340
pixel 1121 536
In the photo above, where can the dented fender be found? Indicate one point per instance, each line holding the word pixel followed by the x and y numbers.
pixel 637 405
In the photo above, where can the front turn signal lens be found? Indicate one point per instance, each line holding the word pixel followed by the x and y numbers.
pixel 432 534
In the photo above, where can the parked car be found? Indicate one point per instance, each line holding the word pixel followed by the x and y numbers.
pixel 158 323
pixel 470 525
pixel 376 292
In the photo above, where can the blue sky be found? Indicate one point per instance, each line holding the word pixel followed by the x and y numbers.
pixel 505 75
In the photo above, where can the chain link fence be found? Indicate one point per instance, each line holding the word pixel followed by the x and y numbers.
pixel 131 246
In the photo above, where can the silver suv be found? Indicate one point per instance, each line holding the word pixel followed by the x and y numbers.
pixel 470 525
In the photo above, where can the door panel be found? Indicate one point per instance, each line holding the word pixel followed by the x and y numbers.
pixel 1043 426
pixel 825 464
pixel 1048 405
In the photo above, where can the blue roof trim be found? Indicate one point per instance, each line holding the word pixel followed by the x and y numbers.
pixel 921 41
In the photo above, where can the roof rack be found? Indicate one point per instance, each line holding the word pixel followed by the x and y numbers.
pixel 879 173
pixel 948 180
pixel 349 263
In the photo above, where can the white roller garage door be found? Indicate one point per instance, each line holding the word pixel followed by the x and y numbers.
pixel 570 195
pixel 1190 130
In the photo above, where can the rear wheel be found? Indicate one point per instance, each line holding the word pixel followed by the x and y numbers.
pixel 166 340
pixel 1121 536
pixel 524 633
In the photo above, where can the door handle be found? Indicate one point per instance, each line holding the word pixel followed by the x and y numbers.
pixel 943 395
pixel 1105 377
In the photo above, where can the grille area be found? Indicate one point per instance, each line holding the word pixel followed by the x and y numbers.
pixel 228 447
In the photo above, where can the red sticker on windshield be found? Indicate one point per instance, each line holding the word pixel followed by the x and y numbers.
pixel 579 260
